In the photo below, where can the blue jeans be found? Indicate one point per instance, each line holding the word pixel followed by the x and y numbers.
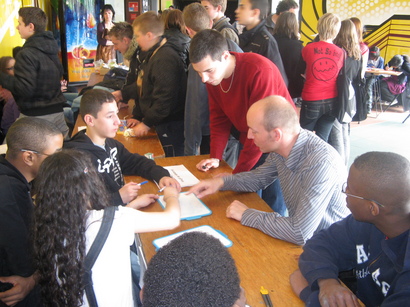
pixel 317 116
pixel 171 135
pixel 272 194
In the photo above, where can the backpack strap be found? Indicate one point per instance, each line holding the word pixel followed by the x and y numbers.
pixel 94 251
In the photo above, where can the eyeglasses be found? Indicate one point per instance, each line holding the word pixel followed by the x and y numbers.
pixel 344 187
pixel 36 152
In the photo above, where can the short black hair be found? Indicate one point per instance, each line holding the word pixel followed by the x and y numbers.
pixel 396 61
pixel 207 42
pixel 34 15
pixel 262 6
pixel 92 101
pixel 194 269
pixel 29 133
pixel 286 5
pixel 386 177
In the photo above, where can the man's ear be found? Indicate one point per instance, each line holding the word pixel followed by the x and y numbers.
pixel 256 13
pixel 126 40
pixel 276 134
pixel 219 8
pixel 89 120
pixel 190 32
pixel 225 55
pixel 32 27
pixel 28 157
pixel 150 35
pixel 374 208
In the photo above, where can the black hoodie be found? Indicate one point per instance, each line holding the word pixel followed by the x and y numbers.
pixel 37 74
pixel 16 213
pixel 116 161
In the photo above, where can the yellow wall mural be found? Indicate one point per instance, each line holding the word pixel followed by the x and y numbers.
pixel 9 36
pixel 388 21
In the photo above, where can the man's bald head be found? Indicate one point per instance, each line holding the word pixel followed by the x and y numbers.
pixel 277 113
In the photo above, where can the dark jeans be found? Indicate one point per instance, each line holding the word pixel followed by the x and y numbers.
pixel 272 194
pixel 171 135
pixel 317 116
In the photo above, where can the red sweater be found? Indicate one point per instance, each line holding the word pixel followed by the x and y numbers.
pixel 255 78
pixel 323 63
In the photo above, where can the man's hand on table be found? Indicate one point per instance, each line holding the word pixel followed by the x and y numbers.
pixel 206 187
pixel 132 122
pixel 235 210
pixel 141 129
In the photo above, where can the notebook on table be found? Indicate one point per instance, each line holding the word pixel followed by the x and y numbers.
pixel 191 206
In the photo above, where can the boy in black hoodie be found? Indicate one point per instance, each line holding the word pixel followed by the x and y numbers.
pixel 37 73
pixel 99 111
pixel 162 85
pixel 256 37
pixel 29 142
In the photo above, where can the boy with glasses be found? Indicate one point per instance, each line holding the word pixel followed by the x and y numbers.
pixel 373 240
pixel 29 141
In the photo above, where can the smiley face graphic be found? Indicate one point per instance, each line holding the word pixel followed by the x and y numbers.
pixel 324 69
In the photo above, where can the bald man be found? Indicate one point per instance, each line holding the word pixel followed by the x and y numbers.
pixel 373 240
pixel 310 171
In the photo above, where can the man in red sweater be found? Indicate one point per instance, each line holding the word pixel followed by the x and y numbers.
pixel 234 82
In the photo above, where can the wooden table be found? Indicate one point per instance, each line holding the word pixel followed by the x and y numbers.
pixel 261 259
pixel 378 71
pixel 141 145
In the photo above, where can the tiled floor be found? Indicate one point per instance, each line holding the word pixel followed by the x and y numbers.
pixel 386 132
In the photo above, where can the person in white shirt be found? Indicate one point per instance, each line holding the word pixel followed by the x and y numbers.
pixel 70 204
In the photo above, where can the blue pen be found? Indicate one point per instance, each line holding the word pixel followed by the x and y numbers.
pixel 144 182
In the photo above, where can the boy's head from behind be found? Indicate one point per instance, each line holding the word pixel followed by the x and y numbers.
pixel 194 269
pixel 196 18
pixel 98 109
pixel 148 28
pixel 34 16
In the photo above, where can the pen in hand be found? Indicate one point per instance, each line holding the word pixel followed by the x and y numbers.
pixel 162 189
pixel 144 182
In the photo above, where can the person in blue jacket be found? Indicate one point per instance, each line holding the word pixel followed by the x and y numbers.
pixel 373 240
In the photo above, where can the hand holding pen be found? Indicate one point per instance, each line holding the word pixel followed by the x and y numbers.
pixel 207 164
pixel 167 181
pixel 130 191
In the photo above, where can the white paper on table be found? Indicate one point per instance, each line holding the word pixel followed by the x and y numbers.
pixel 82 128
pixel 182 175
